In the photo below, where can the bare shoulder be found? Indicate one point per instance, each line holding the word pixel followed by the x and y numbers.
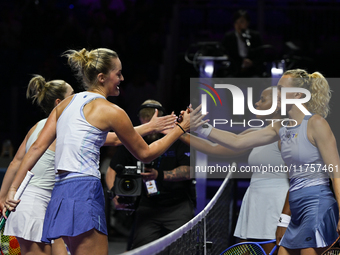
pixel 60 107
pixel 318 129
pixel 111 114
pixel 317 122
pixel 32 130
pixel 106 106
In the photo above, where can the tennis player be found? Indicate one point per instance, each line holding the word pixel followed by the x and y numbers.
pixel 264 199
pixel 314 223
pixel 81 124
pixel 26 224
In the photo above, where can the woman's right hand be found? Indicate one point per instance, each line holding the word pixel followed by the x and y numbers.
pixel 2 203
pixel 279 234
pixel 192 118
pixel 10 203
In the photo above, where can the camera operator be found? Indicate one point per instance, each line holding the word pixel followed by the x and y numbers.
pixel 172 202
pixel 243 47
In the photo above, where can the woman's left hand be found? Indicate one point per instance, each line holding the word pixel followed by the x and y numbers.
pixel 160 124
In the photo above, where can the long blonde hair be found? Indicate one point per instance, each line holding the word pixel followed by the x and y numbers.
pixel 319 88
pixel 88 64
pixel 45 93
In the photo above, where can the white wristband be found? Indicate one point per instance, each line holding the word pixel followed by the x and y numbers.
pixel 204 130
pixel 284 220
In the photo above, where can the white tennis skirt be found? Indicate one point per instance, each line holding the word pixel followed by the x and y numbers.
pixel 28 219
pixel 261 208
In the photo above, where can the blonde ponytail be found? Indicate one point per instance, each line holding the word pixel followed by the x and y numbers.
pixel 36 88
pixel 320 94
pixel 319 88
pixel 45 93
pixel 88 64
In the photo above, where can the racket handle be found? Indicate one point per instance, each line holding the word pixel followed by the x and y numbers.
pixel 17 196
pixel 23 185
pixel 273 250
pixel 3 220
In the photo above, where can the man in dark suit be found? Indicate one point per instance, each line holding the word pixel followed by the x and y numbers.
pixel 243 47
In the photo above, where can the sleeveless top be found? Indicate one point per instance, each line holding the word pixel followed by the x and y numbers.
pixel 44 176
pixel 78 142
pixel 303 159
pixel 270 166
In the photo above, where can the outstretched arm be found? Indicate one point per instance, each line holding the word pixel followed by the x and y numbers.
pixel 230 140
pixel 155 125
pixel 235 142
pixel 121 124
pixel 211 148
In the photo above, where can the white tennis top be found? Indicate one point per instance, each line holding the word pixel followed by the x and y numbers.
pixel 44 176
pixel 78 142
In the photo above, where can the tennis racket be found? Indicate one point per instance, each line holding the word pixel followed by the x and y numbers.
pixel 17 196
pixel 9 245
pixel 334 249
pixel 248 248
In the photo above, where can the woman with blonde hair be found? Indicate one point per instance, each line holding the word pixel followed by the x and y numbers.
pixel 26 224
pixel 309 150
pixel 263 201
pixel 80 125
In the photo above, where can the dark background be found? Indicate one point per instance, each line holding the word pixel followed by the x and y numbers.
pixel 151 38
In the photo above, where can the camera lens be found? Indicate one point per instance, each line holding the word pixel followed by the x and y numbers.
pixel 128 185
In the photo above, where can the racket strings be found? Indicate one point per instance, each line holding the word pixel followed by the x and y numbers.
pixel 9 245
pixel 245 249
pixel 332 251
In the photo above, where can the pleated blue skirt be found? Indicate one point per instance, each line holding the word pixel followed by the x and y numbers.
pixel 77 205
pixel 314 218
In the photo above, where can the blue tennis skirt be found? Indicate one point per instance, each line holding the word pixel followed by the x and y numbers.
pixel 77 205
pixel 314 218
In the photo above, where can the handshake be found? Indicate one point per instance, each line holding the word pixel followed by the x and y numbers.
pixel 196 117
pixel 188 120
pixel 180 117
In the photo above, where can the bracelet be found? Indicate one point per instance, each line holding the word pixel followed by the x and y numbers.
pixel 204 130
pixel 181 128
pixel 284 220
pixel 160 176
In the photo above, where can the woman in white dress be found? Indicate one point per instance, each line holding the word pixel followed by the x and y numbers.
pixel 308 147
pixel 26 224
pixel 264 199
